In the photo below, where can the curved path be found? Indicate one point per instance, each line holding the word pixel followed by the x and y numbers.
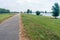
pixel 9 29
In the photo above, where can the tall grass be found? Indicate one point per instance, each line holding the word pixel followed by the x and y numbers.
pixel 41 27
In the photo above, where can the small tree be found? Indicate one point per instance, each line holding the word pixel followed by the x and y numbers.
pixel 45 11
pixel 37 12
pixel 55 9
pixel 29 11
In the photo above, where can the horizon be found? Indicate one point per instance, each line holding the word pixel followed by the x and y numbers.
pixel 23 5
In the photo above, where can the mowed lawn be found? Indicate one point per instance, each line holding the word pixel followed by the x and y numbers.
pixel 5 16
pixel 41 27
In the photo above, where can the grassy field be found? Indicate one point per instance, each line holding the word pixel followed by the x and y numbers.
pixel 5 16
pixel 41 27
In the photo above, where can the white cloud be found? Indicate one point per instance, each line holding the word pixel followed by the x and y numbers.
pixel 22 2
pixel 28 4
pixel 35 4
pixel 34 1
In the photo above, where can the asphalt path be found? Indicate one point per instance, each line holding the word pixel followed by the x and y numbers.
pixel 9 29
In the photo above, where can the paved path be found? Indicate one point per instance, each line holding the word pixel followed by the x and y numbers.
pixel 9 29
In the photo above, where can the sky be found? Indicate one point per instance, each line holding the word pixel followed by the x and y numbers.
pixel 23 5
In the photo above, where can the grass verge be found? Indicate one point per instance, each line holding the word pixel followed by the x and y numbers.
pixel 5 16
pixel 41 27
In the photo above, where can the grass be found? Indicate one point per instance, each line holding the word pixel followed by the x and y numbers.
pixel 5 16
pixel 41 27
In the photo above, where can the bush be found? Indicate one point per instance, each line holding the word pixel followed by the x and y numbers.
pixel 37 12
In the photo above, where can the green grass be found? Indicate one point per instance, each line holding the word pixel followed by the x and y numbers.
pixel 41 27
pixel 5 16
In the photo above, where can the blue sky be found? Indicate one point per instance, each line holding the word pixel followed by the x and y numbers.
pixel 23 5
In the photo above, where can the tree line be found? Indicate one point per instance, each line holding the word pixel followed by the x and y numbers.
pixel 2 10
pixel 55 11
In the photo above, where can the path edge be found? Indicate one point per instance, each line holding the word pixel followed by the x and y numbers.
pixel 21 30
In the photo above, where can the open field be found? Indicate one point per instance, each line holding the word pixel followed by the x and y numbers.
pixel 5 16
pixel 41 27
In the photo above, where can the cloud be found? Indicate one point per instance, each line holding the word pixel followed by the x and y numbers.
pixel 19 5
pixel 33 4
pixel 22 2
pixel 33 1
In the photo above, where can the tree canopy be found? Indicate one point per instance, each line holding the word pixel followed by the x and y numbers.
pixel 37 12
pixel 55 9
pixel 29 11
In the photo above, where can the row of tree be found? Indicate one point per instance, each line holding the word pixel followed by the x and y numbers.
pixel 2 10
pixel 30 11
pixel 55 11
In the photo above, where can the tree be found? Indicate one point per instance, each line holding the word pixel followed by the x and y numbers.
pixel 45 11
pixel 37 12
pixel 55 9
pixel 29 11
